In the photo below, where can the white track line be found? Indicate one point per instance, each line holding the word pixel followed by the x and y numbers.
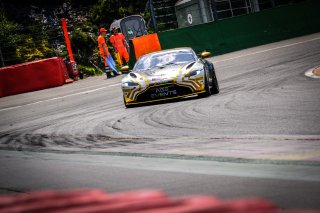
pixel 267 50
pixel 61 97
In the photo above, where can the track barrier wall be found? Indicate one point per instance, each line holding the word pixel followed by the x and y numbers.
pixel 32 76
pixel 247 31
pixel 143 201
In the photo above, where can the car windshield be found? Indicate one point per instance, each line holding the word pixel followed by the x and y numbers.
pixel 164 59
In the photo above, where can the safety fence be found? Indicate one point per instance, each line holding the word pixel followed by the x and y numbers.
pixel 246 31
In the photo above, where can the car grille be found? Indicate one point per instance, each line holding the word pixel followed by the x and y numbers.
pixel 163 92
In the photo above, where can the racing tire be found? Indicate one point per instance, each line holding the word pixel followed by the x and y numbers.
pixel 215 86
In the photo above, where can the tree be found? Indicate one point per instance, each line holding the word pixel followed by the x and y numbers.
pixel 39 35
pixel 8 39
pixel 105 12
pixel 83 46
pixel 21 44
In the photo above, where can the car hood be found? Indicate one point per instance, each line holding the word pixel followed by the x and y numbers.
pixel 161 74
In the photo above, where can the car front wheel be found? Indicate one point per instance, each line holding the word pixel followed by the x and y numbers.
pixel 215 86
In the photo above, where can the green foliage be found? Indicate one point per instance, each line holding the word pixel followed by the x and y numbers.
pixel 8 30
pixel 40 36
pixel 83 45
pixel 88 71
pixel 106 11
pixel 9 38
pixel 17 46
pixel 33 50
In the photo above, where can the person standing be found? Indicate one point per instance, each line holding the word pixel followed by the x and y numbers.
pixel 120 45
pixel 104 52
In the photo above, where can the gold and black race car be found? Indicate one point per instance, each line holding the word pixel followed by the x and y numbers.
pixel 169 74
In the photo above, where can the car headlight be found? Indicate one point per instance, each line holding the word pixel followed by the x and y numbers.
pixel 193 73
pixel 130 84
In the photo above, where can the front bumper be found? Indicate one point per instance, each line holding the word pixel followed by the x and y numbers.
pixel 155 93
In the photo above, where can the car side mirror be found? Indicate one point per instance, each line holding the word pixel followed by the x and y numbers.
pixel 205 54
pixel 125 68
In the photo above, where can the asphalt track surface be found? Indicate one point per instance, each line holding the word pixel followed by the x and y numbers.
pixel 259 137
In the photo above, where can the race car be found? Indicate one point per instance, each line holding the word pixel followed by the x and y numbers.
pixel 169 74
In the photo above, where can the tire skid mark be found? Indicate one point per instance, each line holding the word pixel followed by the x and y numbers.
pixel 25 140
pixel 261 96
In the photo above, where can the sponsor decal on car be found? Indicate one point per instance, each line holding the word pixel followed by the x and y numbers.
pixel 163 92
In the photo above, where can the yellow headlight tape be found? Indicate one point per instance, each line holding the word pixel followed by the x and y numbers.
pixel 176 78
pixel 134 91
pixel 145 80
pixel 196 85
